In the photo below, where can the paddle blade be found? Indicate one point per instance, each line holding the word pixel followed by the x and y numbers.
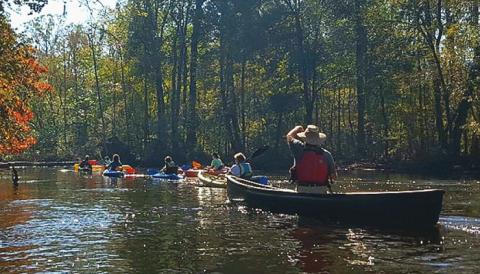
pixel 93 162
pixel 152 172
pixel 259 151
pixel 196 164
pixel 186 167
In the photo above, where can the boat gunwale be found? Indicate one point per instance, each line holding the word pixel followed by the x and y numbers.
pixel 250 185
pixel 201 174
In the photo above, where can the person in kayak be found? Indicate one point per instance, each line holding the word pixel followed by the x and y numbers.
pixel 241 169
pixel 313 165
pixel 216 163
pixel 115 164
pixel 106 161
pixel 85 164
pixel 170 166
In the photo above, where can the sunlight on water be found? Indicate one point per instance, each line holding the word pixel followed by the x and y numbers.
pixel 62 222
pixel 469 225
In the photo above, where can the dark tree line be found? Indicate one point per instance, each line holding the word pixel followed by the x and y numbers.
pixel 393 80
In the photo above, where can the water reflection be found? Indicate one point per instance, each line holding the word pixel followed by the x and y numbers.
pixel 312 255
pixel 61 222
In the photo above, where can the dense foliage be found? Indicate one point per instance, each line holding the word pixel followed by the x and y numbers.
pixel 20 76
pixel 383 79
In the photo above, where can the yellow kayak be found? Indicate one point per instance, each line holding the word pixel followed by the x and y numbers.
pixel 212 180
pixel 76 167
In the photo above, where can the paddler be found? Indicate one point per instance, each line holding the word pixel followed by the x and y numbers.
pixel 170 166
pixel 85 164
pixel 241 168
pixel 313 165
pixel 216 163
pixel 115 164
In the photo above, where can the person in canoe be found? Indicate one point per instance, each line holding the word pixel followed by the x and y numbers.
pixel 170 166
pixel 115 164
pixel 241 168
pixel 85 164
pixel 313 165
pixel 216 163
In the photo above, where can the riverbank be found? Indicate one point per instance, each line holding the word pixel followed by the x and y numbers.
pixel 469 166
pixel 36 164
pixel 453 166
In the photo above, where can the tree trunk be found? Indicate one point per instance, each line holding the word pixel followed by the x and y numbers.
pixel 242 101
pixel 386 126
pixel 192 111
pixel 175 102
pixel 465 104
pixel 124 93
pixel 99 96
pixel 223 94
pixel 361 49
pixel 145 101
pixel 442 139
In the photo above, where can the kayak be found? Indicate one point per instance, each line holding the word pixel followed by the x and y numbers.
pixel 113 173
pixel 416 208
pixel 195 172
pixel 84 170
pixel 167 176
pixel 192 172
pixel 210 180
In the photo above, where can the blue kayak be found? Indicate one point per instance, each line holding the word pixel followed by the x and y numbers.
pixel 167 176
pixel 113 173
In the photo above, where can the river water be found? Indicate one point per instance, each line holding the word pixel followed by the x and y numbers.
pixel 63 222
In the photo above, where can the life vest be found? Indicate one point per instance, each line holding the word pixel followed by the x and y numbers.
pixel 171 168
pixel 115 166
pixel 312 167
pixel 245 171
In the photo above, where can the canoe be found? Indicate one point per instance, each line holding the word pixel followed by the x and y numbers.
pixel 210 180
pixel 113 173
pixel 167 176
pixel 416 208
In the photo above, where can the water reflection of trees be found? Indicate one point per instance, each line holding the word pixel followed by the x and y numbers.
pixel 13 214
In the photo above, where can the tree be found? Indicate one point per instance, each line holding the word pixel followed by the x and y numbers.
pixel 20 81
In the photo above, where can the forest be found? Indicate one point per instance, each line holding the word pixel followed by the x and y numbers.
pixel 390 80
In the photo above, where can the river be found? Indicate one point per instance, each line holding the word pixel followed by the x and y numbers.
pixel 62 222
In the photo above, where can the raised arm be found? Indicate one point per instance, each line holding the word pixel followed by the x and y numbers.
pixel 292 134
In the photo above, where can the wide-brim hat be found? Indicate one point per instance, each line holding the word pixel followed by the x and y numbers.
pixel 312 135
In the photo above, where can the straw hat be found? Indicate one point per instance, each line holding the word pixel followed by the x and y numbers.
pixel 312 135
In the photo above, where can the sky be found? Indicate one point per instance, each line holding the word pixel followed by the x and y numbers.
pixel 75 13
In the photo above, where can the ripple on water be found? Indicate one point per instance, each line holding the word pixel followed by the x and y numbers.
pixel 57 236
pixel 466 224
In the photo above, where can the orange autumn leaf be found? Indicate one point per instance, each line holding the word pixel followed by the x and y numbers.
pixel 20 80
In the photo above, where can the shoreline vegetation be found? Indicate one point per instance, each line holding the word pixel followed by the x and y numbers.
pixel 453 167
pixel 189 78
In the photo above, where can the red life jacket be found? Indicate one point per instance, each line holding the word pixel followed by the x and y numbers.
pixel 312 168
